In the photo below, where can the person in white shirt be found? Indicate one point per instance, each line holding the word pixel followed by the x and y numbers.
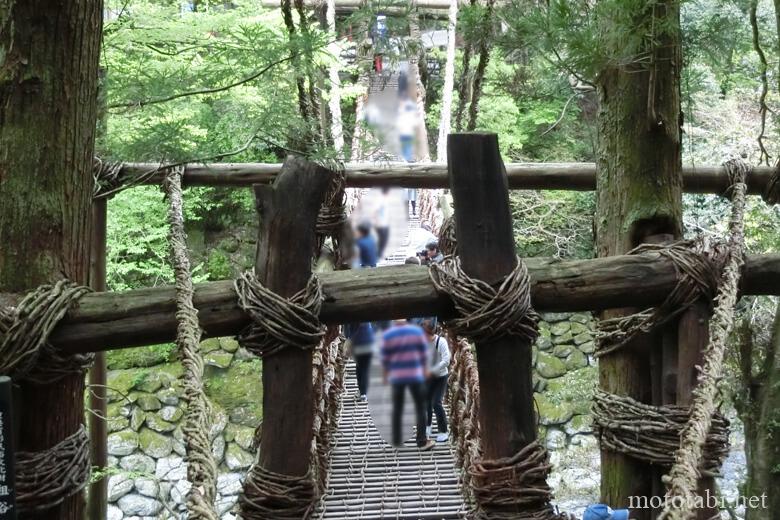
pixel 419 238
pixel 439 362
pixel 406 124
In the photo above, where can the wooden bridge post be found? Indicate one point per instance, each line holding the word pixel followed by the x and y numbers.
pixel 487 251
pixel 286 242
pixel 98 428
pixel 693 336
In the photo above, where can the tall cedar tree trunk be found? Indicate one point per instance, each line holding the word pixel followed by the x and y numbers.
pixel 449 84
pixel 464 83
pixel 364 54
pixel 334 102
pixel 309 68
pixel 49 54
pixel 417 88
pixel 760 412
pixel 777 27
pixel 484 56
pixel 300 83
pixel 639 186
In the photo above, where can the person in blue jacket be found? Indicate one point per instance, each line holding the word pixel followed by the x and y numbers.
pixel 368 254
pixel 360 341
pixel 604 512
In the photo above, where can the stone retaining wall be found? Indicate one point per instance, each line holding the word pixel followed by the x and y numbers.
pixel 147 472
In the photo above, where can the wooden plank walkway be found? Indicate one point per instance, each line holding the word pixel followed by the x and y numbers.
pixel 369 479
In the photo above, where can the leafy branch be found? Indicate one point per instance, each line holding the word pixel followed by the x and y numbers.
pixel 200 92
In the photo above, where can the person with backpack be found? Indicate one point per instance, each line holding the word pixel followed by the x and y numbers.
pixel 439 362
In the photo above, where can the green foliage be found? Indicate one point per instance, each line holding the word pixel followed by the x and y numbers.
pixel 218 265
pixel 238 389
pixel 531 108
pixel 553 223
pixel 141 356
pixel 137 245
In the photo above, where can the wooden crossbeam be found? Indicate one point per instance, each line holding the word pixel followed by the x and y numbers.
pixel 525 176
pixel 112 320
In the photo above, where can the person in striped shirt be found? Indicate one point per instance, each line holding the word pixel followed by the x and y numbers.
pixel 405 363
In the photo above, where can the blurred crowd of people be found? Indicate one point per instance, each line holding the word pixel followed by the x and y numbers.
pixel 414 357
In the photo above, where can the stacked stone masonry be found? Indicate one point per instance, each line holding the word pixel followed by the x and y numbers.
pixel 147 471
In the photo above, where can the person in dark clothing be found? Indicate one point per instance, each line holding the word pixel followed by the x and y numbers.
pixel 367 247
pixel 360 339
pixel 403 83
pixel 405 364
pixel 432 254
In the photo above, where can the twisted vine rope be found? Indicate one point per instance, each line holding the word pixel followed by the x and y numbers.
pixel 25 352
pixel 652 433
pixel 512 484
pixel 697 263
pixel 499 488
pixel 448 244
pixel 682 478
pixel 333 214
pixel 329 364
pixel 508 487
pixel 107 177
pixel 201 467
pixel 428 208
pixel 771 193
pixel 487 313
pixel 44 479
pixel 463 396
pixel 269 495
pixel 279 322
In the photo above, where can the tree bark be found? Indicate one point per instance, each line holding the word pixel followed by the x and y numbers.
pixel 364 63
pixel 522 176
pixel 479 73
pixel 98 429
pixel 449 83
pixel 49 54
pixel 487 252
pixel 759 409
pixel 639 186
pixel 285 248
pixel 309 68
pixel 417 90
pixel 463 85
pixel 300 83
pixel 334 102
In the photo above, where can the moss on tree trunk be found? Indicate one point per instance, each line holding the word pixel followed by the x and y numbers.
pixel 760 411
pixel 639 185
pixel 48 88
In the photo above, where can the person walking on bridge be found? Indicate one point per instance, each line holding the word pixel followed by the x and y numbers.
pixel 406 124
pixel 439 355
pixel 360 342
pixel 405 364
